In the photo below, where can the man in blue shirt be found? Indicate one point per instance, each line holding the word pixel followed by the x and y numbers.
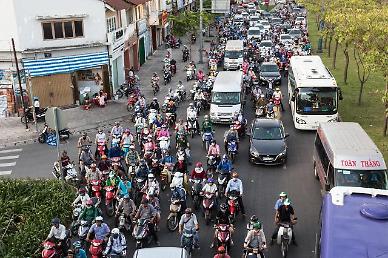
pixel 235 186
pixel 225 166
pixel 99 229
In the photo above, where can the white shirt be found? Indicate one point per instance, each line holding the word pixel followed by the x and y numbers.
pixel 207 188
pixel 36 103
pixel 277 94
pixel 191 113
pixel 101 137
pixel 58 233
pixel 83 199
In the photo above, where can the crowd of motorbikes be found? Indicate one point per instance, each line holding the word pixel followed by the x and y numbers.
pixel 140 163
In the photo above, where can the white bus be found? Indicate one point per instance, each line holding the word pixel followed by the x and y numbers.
pixel 234 53
pixel 313 93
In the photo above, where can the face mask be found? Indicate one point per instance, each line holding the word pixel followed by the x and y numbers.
pixel 235 179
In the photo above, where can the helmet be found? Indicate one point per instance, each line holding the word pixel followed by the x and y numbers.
pixel 163 125
pixel 283 194
pixel 132 147
pixel 277 89
pixel 138 114
pixel 111 174
pixel 188 211
pixel 223 206
pixel 206 117
pixel 199 164
pixel 84 134
pixel 82 190
pixel 127 130
pixel 257 225
pixel 126 196
pixel 144 201
pixel 115 231
pixel 117 123
pixel 262 96
pixel 155 99
pixel 151 176
pixel 181 158
pixel 254 218
pixel 231 126
pixel 55 221
pixel 235 174
pixel 221 249
pixel 210 180
pixel 287 202
pixel 89 202
pixel 191 104
pixel 77 244
pixel 99 218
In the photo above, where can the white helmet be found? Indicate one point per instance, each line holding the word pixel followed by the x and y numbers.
pixel 151 176
pixel 115 231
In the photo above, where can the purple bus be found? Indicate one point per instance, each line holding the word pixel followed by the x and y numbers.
pixel 354 223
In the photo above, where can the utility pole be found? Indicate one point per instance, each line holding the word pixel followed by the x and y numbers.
pixel 20 81
pixel 200 31
pixel 32 101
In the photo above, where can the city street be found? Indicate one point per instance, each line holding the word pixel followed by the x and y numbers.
pixel 262 184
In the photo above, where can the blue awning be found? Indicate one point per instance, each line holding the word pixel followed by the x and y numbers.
pixel 66 64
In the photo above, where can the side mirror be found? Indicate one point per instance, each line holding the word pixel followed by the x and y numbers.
pixel 327 187
pixel 286 135
pixel 293 97
pixel 340 97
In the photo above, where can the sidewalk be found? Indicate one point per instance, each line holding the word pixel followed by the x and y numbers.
pixel 13 132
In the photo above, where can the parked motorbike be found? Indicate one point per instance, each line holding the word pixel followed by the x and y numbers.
pixel 207 205
pixel 28 115
pixel 123 90
pixel 64 134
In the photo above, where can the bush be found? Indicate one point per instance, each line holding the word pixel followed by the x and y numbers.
pixel 26 209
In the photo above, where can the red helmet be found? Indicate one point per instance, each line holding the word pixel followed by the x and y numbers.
pixel 199 164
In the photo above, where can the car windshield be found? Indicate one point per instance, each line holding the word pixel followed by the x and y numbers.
pixel 264 22
pixel 285 37
pixel 254 32
pixel 269 68
pixel 295 32
pixel 233 54
pixel 268 133
pixel 226 98
pixel 266 44
pixel 317 101
pixel 255 18
pixel 362 178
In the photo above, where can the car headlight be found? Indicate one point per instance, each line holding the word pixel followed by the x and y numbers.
pixel 300 121
pixel 282 154
pixel 254 152
pixel 333 120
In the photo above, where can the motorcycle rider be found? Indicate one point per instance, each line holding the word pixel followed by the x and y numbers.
pixel 207 126
pixel 77 251
pixel 115 151
pixel 154 201
pixel 211 188
pixel 225 167
pixel 101 137
pixel 124 187
pixel 256 238
pixel 278 94
pixel 185 53
pixel 198 172
pixel 58 235
pixel 192 114
pixel 89 213
pixel 221 253
pixel 143 170
pixel 222 217
pixel 180 127
pixel 117 130
pixel 128 207
pixel 86 159
pixel 171 108
pixel 231 135
pixel 117 244
pixel 99 229
pixel 82 197
pixel 214 150
pixel 132 157
pixel 261 101
pixel 142 103
pixel 269 107
pixel 179 193
pixel 154 104
pixel 113 180
pixel 279 202
pixel 92 174
pixel 200 75
pixel 199 96
pixel 189 221
pixel 164 132
pixel 147 211
pixel 236 185
pixel 284 214
pixel 155 79
pixel 83 142
pixel 152 185
pixel 65 160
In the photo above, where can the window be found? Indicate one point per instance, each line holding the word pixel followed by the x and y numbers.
pixel 139 12
pixel 62 29
pixel 130 18
pixel 111 23
pixel 323 158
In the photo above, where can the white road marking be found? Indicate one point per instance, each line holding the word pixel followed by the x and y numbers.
pixel 3 173
pixel 10 150
pixel 11 164
pixel 9 157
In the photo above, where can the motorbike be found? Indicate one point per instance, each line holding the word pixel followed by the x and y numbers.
pixel 170 119
pixel 260 111
pixel 109 200
pixel 155 86
pixel 124 223
pixel 155 166
pixel 207 137
pixel 139 189
pixel 253 253
pixel 271 114
pixel 95 248
pixel 164 175
pixel 74 225
pixel 141 233
pixel 222 181
pixel 166 77
pixel 174 216
pixel 195 192
pixel 135 112
pixel 198 105
pixel 185 55
pixel 188 240
pixel 190 74
pixel 164 143
pixel 50 250
pixel 233 206
pixel 284 238
pixel 223 236
pixel 28 115
pixel 123 90
pixel 207 205
pixel 131 102
pixel 232 150
pixel 96 189
pixel 64 134
pixel 193 39
pixel 211 166
pixel 71 174
pixel 101 148
pixel 192 126
pixel 173 69
pixel 83 230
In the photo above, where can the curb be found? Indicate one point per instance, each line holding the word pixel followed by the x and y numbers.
pixel 19 143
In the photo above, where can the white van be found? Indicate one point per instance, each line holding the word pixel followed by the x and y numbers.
pixel 234 52
pixel 254 33
pixel 226 97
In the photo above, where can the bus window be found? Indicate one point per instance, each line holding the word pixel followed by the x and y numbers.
pixel 322 156
pixel 330 175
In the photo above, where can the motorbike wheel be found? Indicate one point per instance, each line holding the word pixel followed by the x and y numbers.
pixel 119 94
pixel 42 138
pixel 163 187
pixel 172 223
pixel 221 191
pixel 206 145
pixel 192 133
pixel 284 249
pixel 196 202
pixel 110 211
pixel 232 157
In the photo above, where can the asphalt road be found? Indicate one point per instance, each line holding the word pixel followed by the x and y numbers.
pixel 262 184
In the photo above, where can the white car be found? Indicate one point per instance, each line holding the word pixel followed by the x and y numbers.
pixel 261 27
pixel 253 20
pixel 245 15
pixel 238 19
pixel 251 6
pixel 265 24
pixel 265 47
pixel 300 20
pixel 286 39
pixel 254 33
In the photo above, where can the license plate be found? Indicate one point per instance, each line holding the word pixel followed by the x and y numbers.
pixel 267 159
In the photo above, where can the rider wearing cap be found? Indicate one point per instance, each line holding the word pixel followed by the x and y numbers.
pixel 189 222
pixel 284 214
pixel 58 234
pixel 99 229
pixel 279 202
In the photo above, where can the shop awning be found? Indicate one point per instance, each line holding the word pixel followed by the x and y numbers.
pixel 118 4
pixel 66 64
pixel 137 2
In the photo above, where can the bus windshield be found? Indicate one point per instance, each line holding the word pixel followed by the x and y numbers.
pixel 362 178
pixel 226 98
pixel 317 101
pixel 234 54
